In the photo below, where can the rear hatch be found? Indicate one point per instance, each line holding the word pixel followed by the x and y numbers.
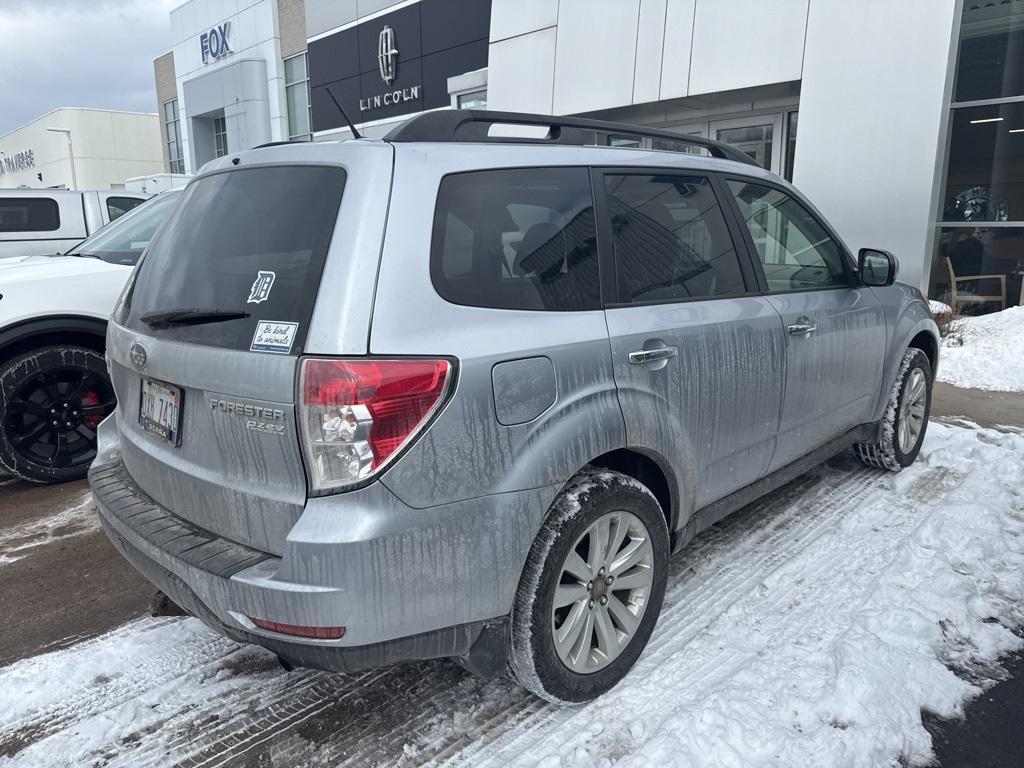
pixel 204 347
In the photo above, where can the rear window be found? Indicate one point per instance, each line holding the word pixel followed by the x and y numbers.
pixel 29 214
pixel 517 239
pixel 249 241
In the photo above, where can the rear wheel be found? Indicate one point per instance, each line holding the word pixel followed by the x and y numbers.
pixel 51 402
pixel 906 416
pixel 592 588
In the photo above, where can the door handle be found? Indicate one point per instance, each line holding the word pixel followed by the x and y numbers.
pixel 801 329
pixel 641 356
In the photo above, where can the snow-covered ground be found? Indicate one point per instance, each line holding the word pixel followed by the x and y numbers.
pixel 986 352
pixel 808 630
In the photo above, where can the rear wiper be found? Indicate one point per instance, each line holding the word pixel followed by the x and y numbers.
pixel 190 316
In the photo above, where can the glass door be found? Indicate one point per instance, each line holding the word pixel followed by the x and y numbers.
pixel 759 136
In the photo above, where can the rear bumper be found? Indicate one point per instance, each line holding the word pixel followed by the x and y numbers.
pixel 478 645
pixel 405 583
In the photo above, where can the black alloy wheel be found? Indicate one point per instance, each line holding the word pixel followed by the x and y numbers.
pixel 51 403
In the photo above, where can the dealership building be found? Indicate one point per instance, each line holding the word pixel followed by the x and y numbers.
pixel 78 148
pixel 903 121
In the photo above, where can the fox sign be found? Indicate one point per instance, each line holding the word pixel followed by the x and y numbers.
pixel 214 44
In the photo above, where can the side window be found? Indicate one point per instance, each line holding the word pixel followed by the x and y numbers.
pixel 516 239
pixel 119 206
pixel 29 214
pixel 795 249
pixel 670 238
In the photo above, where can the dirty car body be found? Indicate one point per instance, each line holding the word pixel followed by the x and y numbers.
pixel 708 393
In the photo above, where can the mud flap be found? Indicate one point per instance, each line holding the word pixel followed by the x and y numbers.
pixel 488 655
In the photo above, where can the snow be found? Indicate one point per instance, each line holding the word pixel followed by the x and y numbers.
pixel 938 308
pixel 985 352
pixel 809 629
pixel 78 519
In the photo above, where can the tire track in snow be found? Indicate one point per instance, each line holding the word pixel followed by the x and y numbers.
pixel 725 565
pixel 101 693
pixel 433 711
pixel 770 532
pixel 837 583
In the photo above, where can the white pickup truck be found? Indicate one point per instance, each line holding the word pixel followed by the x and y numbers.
pixel 44 221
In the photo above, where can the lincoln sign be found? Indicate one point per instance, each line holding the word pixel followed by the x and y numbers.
pixel 396 64
pixel 387 65
pixel 389 98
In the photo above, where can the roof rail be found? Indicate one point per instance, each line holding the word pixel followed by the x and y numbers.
pixel 275 144
pixel 473 125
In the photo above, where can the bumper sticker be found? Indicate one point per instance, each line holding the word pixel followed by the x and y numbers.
pixel 273 336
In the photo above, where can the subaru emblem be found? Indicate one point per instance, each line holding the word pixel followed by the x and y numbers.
pixel 137 352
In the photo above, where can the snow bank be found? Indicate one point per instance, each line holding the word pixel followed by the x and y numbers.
pixel 808 630
pixel 986 352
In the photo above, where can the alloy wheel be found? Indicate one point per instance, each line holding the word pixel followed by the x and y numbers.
pixel 51 418
pixel 603 590
pixel 910 421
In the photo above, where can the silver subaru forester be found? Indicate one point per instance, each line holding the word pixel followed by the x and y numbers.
pixel 461 392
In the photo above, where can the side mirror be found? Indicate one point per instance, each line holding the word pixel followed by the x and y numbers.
pixel 877 268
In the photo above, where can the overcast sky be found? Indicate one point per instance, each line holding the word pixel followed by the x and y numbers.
pixel 79 53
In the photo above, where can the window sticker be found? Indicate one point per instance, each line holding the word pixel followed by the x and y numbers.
pixel 261 286
pixel 273 336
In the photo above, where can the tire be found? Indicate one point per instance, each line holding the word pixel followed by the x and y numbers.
pixel 909 406
pixel 595 501
pixel 51 401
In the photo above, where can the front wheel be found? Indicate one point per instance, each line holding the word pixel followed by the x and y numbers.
pixel 592 588
pixel 51 402
pixel 906 416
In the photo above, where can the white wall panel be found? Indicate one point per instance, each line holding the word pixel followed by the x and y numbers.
pixel 596 53
pixel 742 43
pixel 675 63
pixel 519 72
pixel 517 17
pixel 872 105
pixel 650 38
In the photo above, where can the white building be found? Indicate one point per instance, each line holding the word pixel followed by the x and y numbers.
pixel 222 87
pixel 903 121
pixel 106 147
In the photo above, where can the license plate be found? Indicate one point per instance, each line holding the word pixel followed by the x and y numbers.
pixel 160 410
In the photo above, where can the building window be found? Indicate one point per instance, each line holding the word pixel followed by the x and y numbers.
pixel 978 261
pixel 791 121
pixel 175 161
pixel 296 92
pixel 220 137
pixel 472 100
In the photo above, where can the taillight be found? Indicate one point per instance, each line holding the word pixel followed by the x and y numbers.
pixel 358 414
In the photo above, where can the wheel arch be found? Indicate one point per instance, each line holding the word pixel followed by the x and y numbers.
pixel 653 471
pixel 927 343
pixel 77 330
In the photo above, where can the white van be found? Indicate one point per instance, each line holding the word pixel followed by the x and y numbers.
pixel 45 221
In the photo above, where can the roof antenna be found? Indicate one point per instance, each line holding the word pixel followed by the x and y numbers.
pixel 351 127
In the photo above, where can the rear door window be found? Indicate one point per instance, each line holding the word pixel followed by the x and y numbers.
pixel 517 239
pixel 249 241
pixel 29 214
pixel 670 239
